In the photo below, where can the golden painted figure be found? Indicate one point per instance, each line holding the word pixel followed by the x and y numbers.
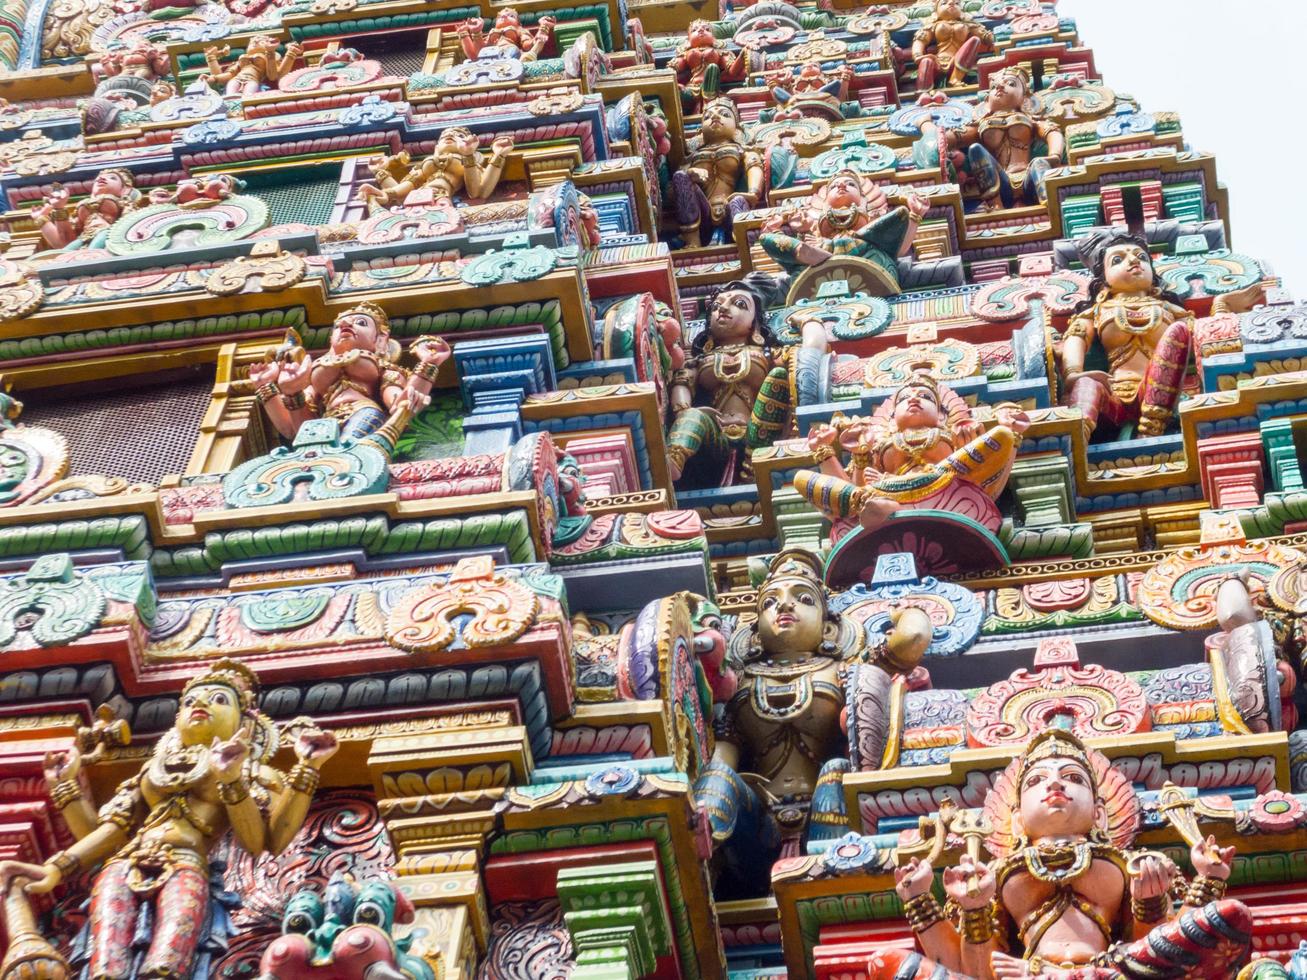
pixel 209 773
pixel 921 444
pixel 257 67
pixel 455 165
pixel 358 381
pixel 722 177
pixel 782 725
pixel 507 31
pixel 948 46
pixel 1063 897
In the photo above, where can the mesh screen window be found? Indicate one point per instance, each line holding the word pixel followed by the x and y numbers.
pixel 300 195
pixel 401 53
pixel 140 430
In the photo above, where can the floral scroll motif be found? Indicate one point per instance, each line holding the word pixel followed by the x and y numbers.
pixel 428 619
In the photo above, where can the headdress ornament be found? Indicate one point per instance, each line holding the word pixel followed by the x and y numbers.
pixel 378 315
pixel 232 674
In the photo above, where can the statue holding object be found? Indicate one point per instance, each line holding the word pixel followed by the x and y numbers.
pixel 702 63
pixel 209 773
pixel 257 68
pixel 456 165
pixel 1064 897
pixel 921 448
pixel 722 177
pixel 63 225
pixel 508 32
pixel 358 381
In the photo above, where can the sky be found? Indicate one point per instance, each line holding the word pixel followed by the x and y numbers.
pixel 1231 78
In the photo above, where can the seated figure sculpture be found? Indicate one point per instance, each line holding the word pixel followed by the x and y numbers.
pixel 998 143
pixel 740 380
pixel 722 177
pixel 783 723
pixel 702 63
pixel 113 194
pixel 849 215
pixel 358 381
pixel 508 32
pixel 153 906
pixel 1063 898
pixel 921 448
pixel 1144 331
pixel 455 166
pixel 813 91
pixel 948 46
pixel 257 67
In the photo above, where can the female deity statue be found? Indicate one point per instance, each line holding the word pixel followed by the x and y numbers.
pixel 702 63
pixel 507 32
pixel 948 46
pixel 257 68
pixel 783 724
pixel 1064 898
pixel 740 378
pixel 358 381
pixel 722 177
pixel 921 448
pixel 63 225
pixel 455 166
pixel 152 903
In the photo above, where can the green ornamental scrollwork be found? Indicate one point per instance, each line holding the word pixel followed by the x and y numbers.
pixel 509 265
pixel 317 462
pixel 1220 271
pixel 283 611
pixel 52 603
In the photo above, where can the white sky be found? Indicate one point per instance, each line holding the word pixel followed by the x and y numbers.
pixel 1229 70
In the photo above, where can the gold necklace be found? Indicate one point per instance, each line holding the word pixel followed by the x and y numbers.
pixel 1058 863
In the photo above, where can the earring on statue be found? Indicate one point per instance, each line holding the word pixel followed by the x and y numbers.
pixel 757 339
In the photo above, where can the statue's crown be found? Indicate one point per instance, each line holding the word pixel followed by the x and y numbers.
pixel 920 379
pixel 795 563
pixel 1013 71
pixel 233 674
pixel 378 315
pixel 1056 743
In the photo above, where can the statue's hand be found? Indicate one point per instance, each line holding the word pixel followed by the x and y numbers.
pixel 315 746
pixel 227 757
pixel 294 376
pixel 913 878
pixel 971 884
pixel 264 372
pixel 42 878
pixel 62 765
pixel 1013 417
pixel 1211 860
pixel 502 145
pixel 1152 878
pixel 432 350
pixel 58 197
pixel 546 23
pixel 917 205
pixel 822 434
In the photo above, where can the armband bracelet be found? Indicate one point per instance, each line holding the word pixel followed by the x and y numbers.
pixel 1204 889
pixel 978 924
pixel 922 912
pixel 64 792
pixel 266 392
pixel 68 864
pixel 295 401
pixel 427 370
pixel 234 792
pixel 304 778
pixel 823 453
pixel 1149 910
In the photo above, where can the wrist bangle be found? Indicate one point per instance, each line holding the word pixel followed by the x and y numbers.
pixel 427 370
pixel 978 924
pixel 304 778
pixel 68 864
pixel 297 400
pixel 922 912
pixel 64 792
pixel 1149 910
pixel 1204 889
pixel 823 453
pixel 234 792
pixel 267 392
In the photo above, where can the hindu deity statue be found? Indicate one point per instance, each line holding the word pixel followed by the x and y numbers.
pixel 849 215
pixel 740 381
pixel 113 194
pixel 781 728
pixel 1064 897
pixel 813 91
pixel 948 46
pixel 195 193
pixel 999 143
pixel 1143 330
pixel 455 165
pixel 128 74
pixel 153 904
pixel 507 32
pixel 257 68
pixel 702 63
pixel 921 448
pixel 359 381
pixel 721 178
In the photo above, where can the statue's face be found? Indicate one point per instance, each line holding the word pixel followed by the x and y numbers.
pixel 732 316
pixel 1057 800
pixel 1127 269
pixel 354 330
pixel 948 9
pixel 507 18
pixel 108 182
pixel 791 617
pixel 208 711
pixel 700 34
pixel 811 71
pixel 844 190
pixel 457 140
pixel 719 120
pixel 1007 92
pixel 916 408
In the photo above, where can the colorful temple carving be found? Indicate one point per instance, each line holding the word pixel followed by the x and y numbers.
pixel 613 489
